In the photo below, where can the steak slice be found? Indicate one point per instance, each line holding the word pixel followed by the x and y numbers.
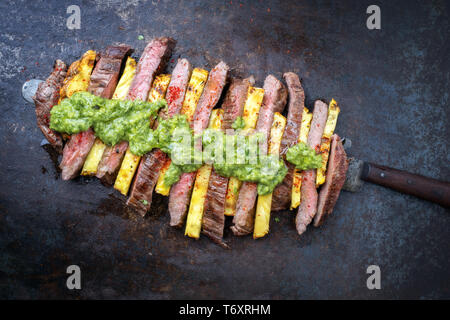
pixel 102 83
pixel 214 212
pixel 105 76
pixel 213 215
pixel 233 105
pixel 145 180
pixel 281 198
pixel 308 205
pixel 144 183
pixel 46 96
pixel 111 159
pixel 75 152
pixel 336 172
pixel 153 60
pixel 180 192
pixel 274 100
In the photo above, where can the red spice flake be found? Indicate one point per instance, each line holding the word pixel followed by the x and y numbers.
pixel 37 63
pixel 171 61
pixel 288 51
pixel 231 2
pixel 268 9
pixel 173 94
pixel 240 5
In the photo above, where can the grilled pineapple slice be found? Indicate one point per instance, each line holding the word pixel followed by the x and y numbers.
pixel 193 93
pixel 303 137
pixel 93 158
pixel 333 112
pixel 264 203
pixel 130 161
pixel 159 87
pixel 195 214
pixel 78 75
pixel 250 116
pixel 120 93
pixel 161 188
pixel 126 79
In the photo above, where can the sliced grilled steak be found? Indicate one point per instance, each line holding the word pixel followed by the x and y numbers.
pixel 111 159
pixel 75 152
pixel 274 100
pixel 177 87
pixel 145 180
pixel 244 218
pixel 103 81
pixel 153 60
pixel 336 172
pixel 214 212
pixel 308 205
pixel 151 164
pixel 46 96
pixel 213 215
pixel 233 105
pixel 180 192
pixel 281 198
pixel 105 76
pixel 275 96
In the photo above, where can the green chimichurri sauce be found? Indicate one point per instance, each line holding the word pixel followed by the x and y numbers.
pixel 240 158
pixel 303 157
pixel 238 124
pixel 231 155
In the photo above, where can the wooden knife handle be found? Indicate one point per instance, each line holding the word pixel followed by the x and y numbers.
pixel 405 182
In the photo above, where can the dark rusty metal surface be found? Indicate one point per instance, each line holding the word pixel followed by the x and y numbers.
pixel 392 85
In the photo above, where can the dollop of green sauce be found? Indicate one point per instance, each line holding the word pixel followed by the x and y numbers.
pixel 112 120
pixel 240 158
pixel 231 155
pixel 238 124
pixel 303 156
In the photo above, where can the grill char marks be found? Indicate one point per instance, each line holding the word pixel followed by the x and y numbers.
pixel 148 171
pixel 153 60
pixel 46 96
pixel 145 180
pixel 308 205
pixel 213 216
pixel 282 193
pixel 275 96
pixel 336 172
pixel 214 212
pixel 180 192
pixel 102 83
pixel 105 76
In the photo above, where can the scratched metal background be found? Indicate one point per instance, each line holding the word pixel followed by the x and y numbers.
pixel 392 86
